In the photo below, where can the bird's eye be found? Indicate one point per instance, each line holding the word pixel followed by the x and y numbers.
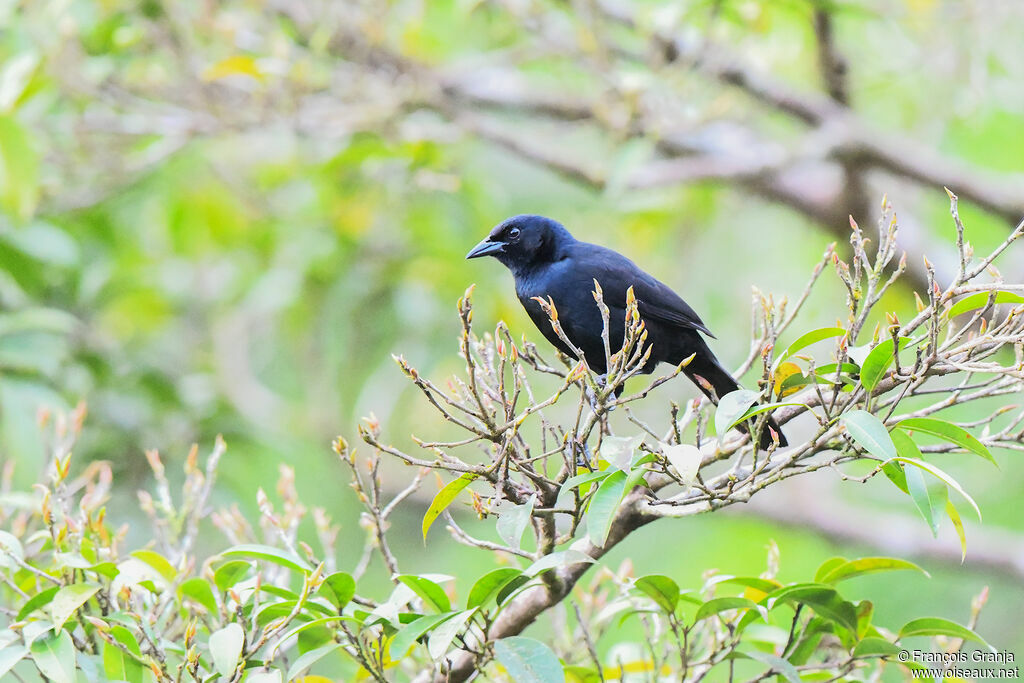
pixel 513 234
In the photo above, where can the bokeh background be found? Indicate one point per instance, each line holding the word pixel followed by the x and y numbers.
pixel 224 217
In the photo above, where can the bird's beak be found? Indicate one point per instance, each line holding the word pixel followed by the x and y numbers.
pixel 486 248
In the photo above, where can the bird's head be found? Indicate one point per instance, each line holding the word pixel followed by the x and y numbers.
pixel 523 240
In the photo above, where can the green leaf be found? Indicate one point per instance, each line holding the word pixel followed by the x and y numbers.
pixel 958 524
pixel 662 589
pixel 777 664
pixel 489 584
pixel 68 599
pixel 894 472
pixel 562 558
pixel 37 601
pixel 157 562
pixel 945 478
pixel 10 656
pixel 686 458
pixel 528 661
pixel 603 506
pixel 19 169
pixel 755 582
pixel 431 592
pixel 980 300
pixel 225 648
pixel 952 433
pixel 585 478
pixel 821 598
pixel 230 573
pixel 512 522
pixel 827 566
pixel 413 631
pixel 270 554
pixel 510 588
pixel 442 636
pixel 875 647
pixel 869 433
pixel 54 655
pixel 618 450
pixel 866 565
pixel 117 664
pixel 272 676
pixel 339 588
pixel 443 499
pixel 10 550
pixel 731 408
pixel 878 361
pixel 718 605
pixel 937 626
pixel 199 591
pixel 919 493
pixel 807 339
pixel 310 658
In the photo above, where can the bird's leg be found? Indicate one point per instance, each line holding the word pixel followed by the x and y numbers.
pixel 582 452
pixel 602 381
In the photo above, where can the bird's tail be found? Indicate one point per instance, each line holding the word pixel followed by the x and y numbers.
pixel 717 382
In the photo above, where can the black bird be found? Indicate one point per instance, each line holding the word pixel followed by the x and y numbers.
pixel 546 261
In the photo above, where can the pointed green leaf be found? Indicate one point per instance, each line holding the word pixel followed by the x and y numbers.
pixel 199 590
pixel 339 588
pixel 431 592
pixel 562 558
pixel 413 631
pixel 585 478
pixel 827 566
pixel 821 598
pixel 37 601
pixel 443 499
pixel 442 636
pixel 946 479
pixel 662 589
pixel 731 408
pixel 603 506
pixel 866 565
pixel 157 562
pixel 528 661
pixel 980 300
pixel 874 367
pixel 489 584
pixel 719 605
pixel 777 664
pixel 512 522
pixel 270 554
pixel 937 626
pixel 805 340
pixel 919 493
pixel 686 458
pixel 9 658
pixel 225 648
pixel 54 655
pixel 308 659
pixel 869 433
pixel 952 433
pixel 958 524
pixel 875 647
pixel 230 573
pixel 68 599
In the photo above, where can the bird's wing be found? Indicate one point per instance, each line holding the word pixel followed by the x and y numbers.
pixel 616 274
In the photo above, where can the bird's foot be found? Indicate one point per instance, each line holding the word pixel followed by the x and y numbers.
pixel 602 382
pixel 582 452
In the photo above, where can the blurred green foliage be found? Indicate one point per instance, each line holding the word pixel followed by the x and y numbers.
pixel 193 242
